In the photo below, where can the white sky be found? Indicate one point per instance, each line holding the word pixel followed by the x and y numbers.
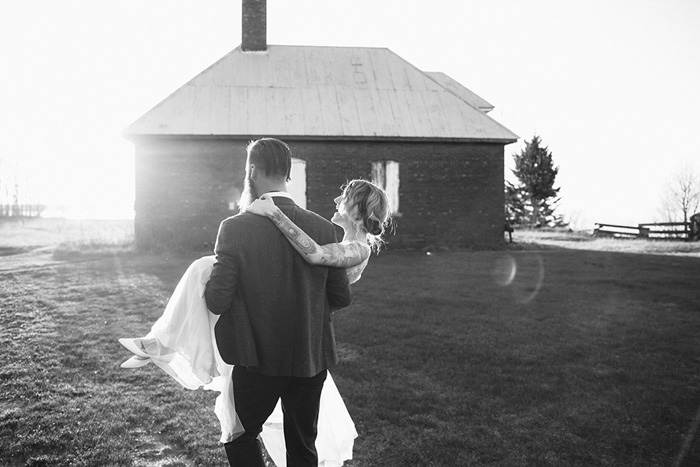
pixel 612 87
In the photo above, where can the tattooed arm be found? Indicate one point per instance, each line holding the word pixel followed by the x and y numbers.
pixel 340 255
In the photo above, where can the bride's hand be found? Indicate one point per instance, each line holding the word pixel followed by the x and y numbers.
pixel 263 206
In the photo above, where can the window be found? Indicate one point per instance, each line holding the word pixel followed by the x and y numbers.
pixel 297 184
pixel 386 175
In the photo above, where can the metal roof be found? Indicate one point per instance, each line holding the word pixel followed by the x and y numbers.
pixel 330 92
pixel 463 93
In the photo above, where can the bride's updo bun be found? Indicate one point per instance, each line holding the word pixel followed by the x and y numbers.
pixel 373 226
pixel 370 207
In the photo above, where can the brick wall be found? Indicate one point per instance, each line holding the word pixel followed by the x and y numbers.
pixel 183 187
pixel 254 25
pixel 451 194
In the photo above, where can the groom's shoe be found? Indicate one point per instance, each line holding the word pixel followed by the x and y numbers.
pixel 136 362
pixel 244 451
pixel 134 347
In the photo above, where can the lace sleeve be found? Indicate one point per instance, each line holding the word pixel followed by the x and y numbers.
pixel 355 272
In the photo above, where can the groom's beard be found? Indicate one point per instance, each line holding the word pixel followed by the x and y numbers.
pixel 248 196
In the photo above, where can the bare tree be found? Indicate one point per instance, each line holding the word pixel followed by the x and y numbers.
pixel 4 190
pixel 17 192
pixel 681 198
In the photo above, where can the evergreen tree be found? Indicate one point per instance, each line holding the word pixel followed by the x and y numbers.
pixel 536 173
pixel 516 204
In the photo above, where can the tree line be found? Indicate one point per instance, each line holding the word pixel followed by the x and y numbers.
pixel 533 199
pixel 16 193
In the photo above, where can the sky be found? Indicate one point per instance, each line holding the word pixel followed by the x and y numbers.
pixel 611 87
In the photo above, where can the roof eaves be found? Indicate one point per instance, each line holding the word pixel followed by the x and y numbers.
pixel 151 137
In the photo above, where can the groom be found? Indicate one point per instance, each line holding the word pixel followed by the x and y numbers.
pixel 275 324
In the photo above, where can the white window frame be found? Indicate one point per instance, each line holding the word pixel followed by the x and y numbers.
pixel 385 174
pixel 297 184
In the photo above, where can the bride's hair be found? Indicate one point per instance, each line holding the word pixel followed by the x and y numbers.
pixel 369 206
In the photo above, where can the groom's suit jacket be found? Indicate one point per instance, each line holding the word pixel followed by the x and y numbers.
pixel 275 307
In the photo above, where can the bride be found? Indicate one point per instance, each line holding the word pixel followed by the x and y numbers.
pixel 182 342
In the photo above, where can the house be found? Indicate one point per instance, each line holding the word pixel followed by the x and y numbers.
pixel 346 112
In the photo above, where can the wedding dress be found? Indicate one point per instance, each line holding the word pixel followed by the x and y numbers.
pixel 182 343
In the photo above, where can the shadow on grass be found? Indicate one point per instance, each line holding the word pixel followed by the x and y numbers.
pixel 536 357
pixel 532 357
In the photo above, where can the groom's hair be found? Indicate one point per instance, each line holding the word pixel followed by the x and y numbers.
pixel 272 156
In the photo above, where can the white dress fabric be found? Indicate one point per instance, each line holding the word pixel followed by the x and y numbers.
pixel 182 343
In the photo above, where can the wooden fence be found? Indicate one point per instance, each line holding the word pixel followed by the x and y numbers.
pixel 655 231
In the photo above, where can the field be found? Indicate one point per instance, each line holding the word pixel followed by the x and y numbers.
pixel 557 350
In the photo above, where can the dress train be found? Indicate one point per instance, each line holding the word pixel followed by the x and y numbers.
pixel 182 343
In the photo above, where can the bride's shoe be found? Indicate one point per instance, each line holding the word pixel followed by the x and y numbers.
pixel 145 349
pixel 136 362
pixel 135 347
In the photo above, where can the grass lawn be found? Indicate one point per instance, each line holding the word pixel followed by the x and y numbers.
pixel 534 355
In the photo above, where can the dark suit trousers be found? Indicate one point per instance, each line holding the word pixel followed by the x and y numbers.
pixel 256 395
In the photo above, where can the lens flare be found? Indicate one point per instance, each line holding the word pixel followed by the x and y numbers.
pixel 504 270
pixel 523 277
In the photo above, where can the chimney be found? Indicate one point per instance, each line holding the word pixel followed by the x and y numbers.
pixel 254 26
